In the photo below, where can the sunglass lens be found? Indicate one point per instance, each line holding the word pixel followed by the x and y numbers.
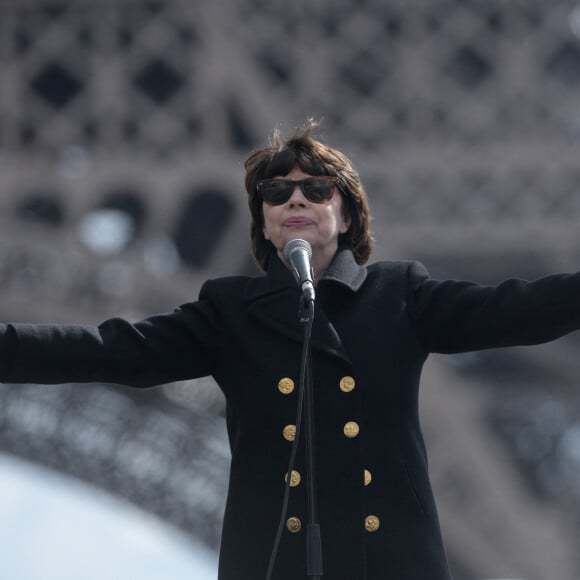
pixel 276 191
pixel 318 190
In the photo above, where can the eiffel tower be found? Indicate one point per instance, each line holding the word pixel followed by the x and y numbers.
pixel 123 128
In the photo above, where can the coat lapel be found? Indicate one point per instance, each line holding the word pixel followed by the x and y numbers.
pixel 274 300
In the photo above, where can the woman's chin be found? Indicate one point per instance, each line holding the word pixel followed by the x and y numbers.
pixel 300 234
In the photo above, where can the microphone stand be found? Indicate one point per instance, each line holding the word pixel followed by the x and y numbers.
pixel 314 568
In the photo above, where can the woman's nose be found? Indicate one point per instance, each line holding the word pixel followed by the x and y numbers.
pixel 297 196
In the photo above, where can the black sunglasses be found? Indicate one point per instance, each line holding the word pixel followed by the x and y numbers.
pixel 315 189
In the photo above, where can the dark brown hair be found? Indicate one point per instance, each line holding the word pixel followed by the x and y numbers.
pixel 313 157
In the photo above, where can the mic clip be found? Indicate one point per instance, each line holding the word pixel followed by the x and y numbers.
pixel 303 310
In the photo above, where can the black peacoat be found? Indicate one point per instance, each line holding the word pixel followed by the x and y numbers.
pixel 373 330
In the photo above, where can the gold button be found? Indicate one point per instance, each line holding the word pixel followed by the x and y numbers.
pixel 295 479
pixel 294 524
pixel 368 477
pixel 347 384
pixel 286 386
pixel 351 429
pixel 289 432
pixel 372 523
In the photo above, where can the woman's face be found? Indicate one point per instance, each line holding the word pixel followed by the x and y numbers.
pixel 318 223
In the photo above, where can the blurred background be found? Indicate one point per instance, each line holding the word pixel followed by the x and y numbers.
pixel 123 129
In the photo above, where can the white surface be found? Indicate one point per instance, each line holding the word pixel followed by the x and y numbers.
pixel 55 527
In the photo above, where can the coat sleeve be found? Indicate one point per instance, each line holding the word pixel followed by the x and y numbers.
pixel 452 316
pixel 169 347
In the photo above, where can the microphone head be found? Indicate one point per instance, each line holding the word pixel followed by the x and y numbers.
pixel 294 245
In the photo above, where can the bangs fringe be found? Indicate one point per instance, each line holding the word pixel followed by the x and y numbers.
pixel 298 152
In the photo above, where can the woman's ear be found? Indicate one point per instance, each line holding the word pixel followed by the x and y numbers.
pixel 262 219
pixel 346 221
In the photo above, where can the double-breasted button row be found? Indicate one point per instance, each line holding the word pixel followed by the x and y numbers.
pixel 372 524
pixel 286 385
pixel 351 429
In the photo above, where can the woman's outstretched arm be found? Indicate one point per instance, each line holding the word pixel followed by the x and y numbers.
pixel 164 348
pixel 453 316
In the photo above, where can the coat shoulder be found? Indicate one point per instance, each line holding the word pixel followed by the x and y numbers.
pixel 409 272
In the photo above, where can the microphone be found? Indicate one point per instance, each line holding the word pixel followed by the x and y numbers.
pixel 298 253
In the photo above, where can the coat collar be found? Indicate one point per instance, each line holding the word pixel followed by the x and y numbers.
pixel 274 299
pixel 343 270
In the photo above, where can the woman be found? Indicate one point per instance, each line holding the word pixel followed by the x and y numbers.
pixel 373 329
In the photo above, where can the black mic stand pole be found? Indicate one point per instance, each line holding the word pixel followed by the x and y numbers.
pixel 314 567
